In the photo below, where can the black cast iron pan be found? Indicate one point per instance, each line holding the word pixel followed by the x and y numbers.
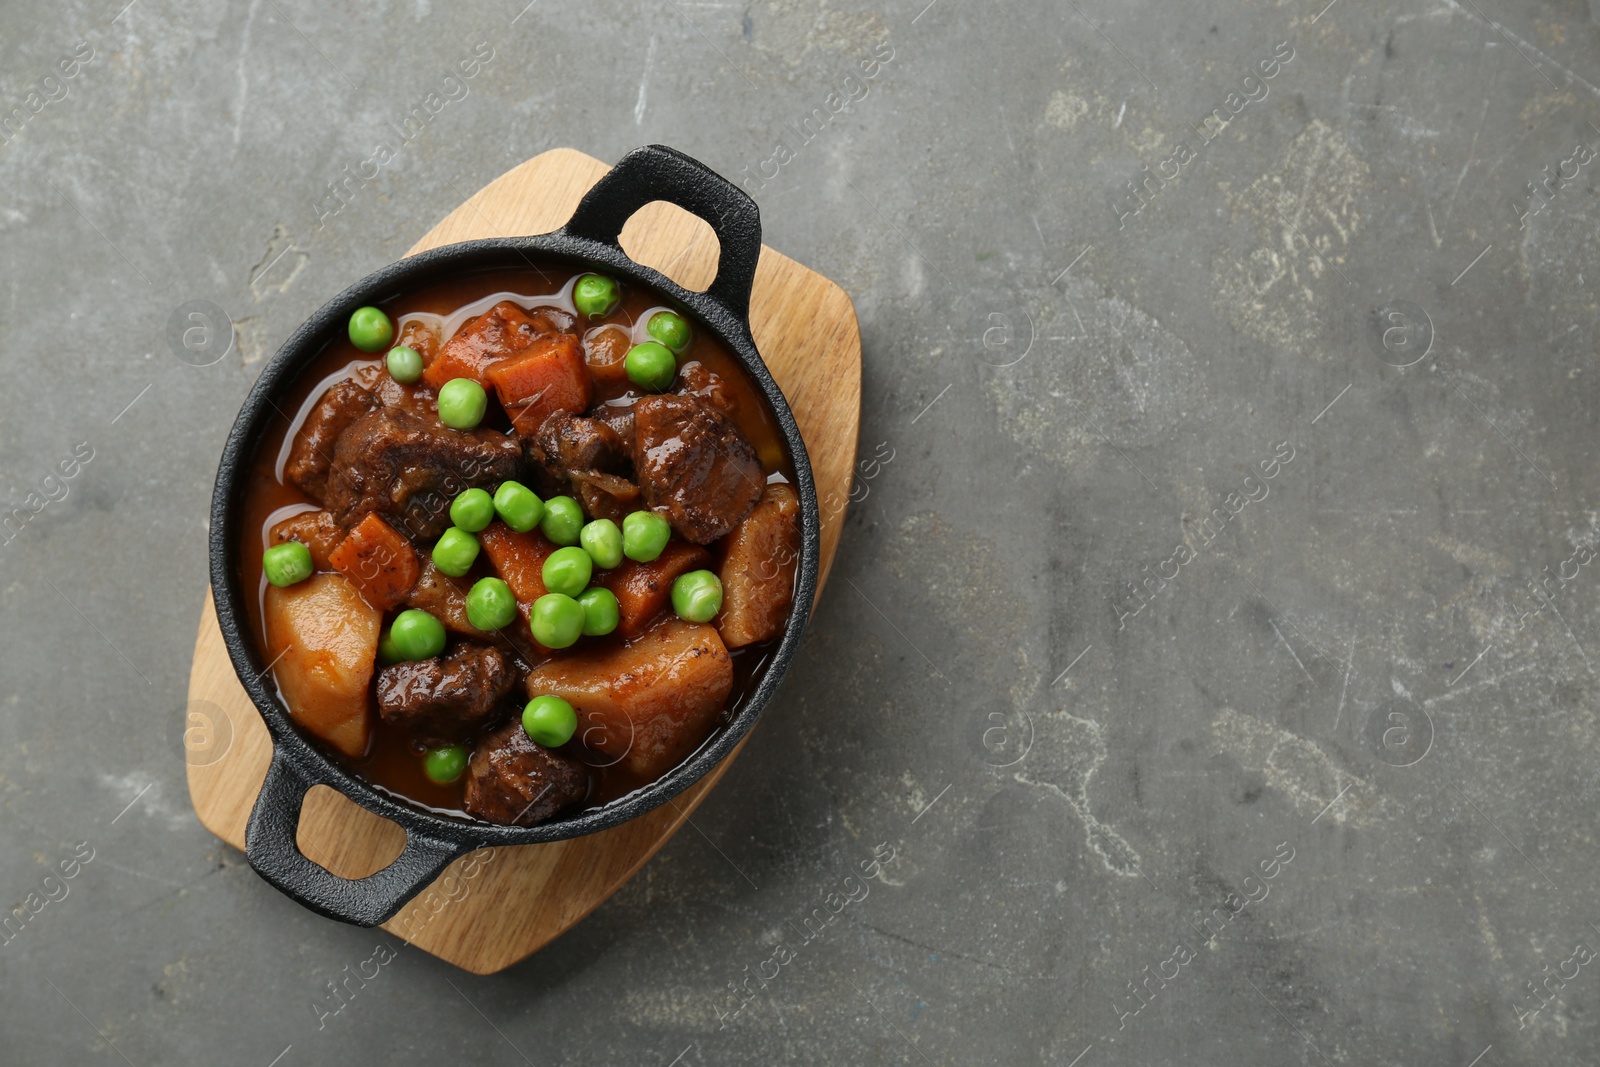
pixel 587 241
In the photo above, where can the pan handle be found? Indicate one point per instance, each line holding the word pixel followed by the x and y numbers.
pixel 657 172
pixel 270 847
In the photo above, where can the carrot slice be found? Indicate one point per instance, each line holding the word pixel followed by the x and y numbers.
pixel 492 336
pixel 378 561
pixel 643 589
pixel 547 376
pixel 519 560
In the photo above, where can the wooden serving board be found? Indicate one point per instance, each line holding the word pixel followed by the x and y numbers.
pixel 494 907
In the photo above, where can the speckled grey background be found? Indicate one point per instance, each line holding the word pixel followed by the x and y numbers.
pixel 1318 788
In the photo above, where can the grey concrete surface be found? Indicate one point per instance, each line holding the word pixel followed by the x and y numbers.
pixel 1320 790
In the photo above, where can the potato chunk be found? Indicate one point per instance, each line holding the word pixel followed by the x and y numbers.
pixel 758 570
pixel 649 702
pixel 323 637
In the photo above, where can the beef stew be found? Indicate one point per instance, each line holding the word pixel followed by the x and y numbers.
pixel 409 640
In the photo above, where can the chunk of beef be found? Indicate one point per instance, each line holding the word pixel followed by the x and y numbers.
pixel 584 457
pixel 311 457
pixel 567 443
pixel 408 469
pixel 696 379
pixel 605 496
pixel 314 529
pixel 649 702
pixel 618 416
pixel 576 443
pixel 373 375
pixel 513 781
pixel 539 473
pixel 758 570
pixel 447 697
pixel 694 466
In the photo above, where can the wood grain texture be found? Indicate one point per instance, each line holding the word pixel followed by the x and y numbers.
pixel 497 906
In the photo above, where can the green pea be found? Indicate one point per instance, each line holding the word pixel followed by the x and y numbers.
pixel 670 329
pixel 490 604
pixel 601 613
pixel 549 721
pixel 567 570
pixel 595 295
pixel 455 552
pixel 287 563
pixel 563 520
pixel 387 653
pixel 651 366
pixel 404 363
pixel 445 765
pixel 370 329
pixel 518 506
pixel 417 635
pixel 556 620
pixel 645 535
pixel 697 596
pixel 462 403
pixel 472 510
pixel 603 541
